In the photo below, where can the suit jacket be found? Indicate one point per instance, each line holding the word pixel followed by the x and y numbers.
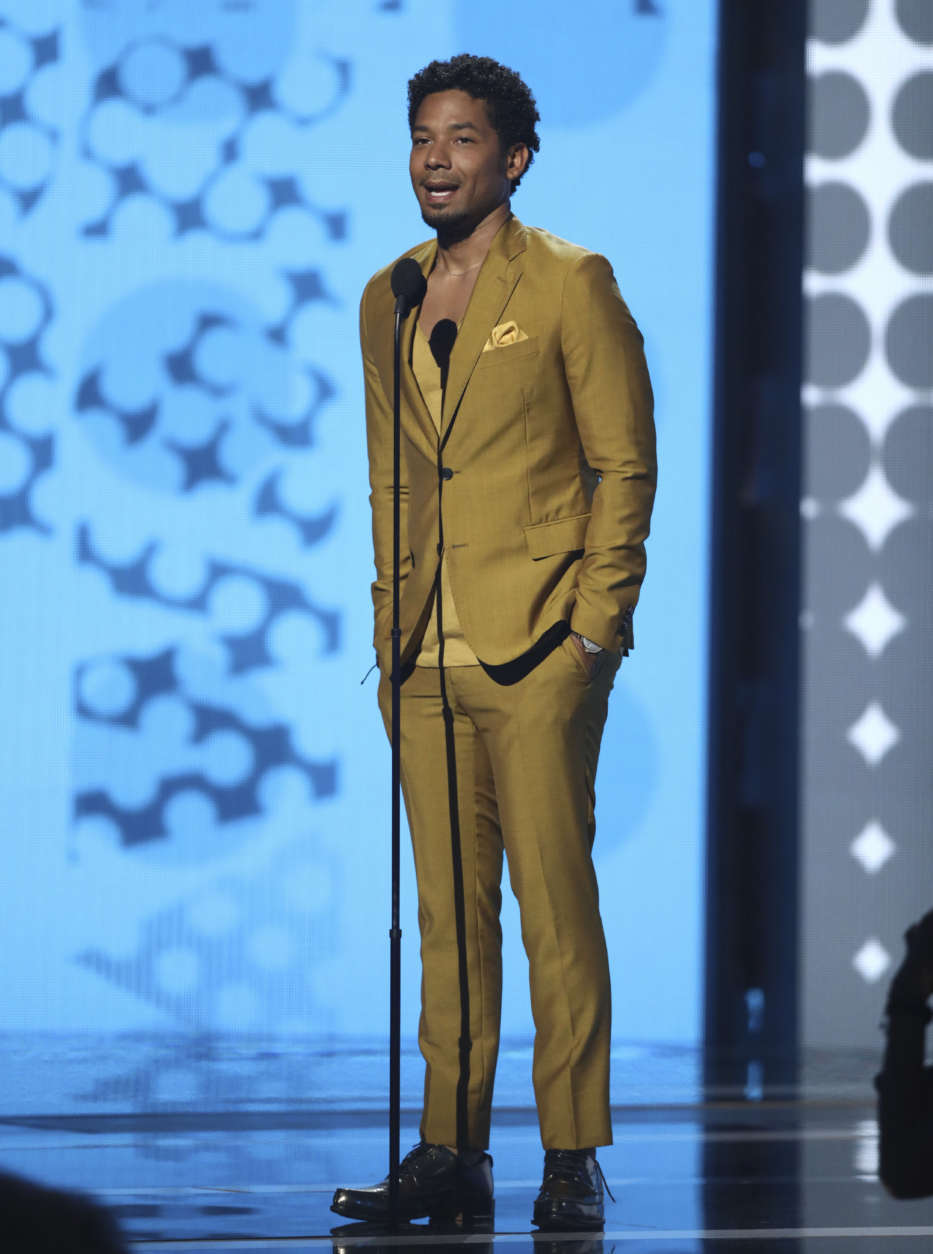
pixel 544 471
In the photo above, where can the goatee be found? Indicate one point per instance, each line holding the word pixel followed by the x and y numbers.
pixel 450 227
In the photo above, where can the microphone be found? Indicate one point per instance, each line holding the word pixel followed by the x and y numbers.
pixel 441 343
pixel 408 285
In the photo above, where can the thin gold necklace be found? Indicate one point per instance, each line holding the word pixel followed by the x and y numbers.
pixel 457 274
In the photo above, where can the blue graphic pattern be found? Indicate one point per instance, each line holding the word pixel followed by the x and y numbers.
pixel 191 198
pixel 578 80
pixel 213 392
pixel 209 131
pixel 28 139
pixel 26 449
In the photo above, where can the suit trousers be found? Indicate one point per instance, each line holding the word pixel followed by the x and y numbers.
pixel 526 759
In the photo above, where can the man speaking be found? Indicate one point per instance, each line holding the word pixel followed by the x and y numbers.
pixel 527 481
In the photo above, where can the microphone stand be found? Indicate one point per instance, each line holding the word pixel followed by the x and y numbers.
pixel 408 288
pixel 395 931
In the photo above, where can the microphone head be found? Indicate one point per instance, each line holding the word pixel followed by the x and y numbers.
pixel 442 341
pixel 408 284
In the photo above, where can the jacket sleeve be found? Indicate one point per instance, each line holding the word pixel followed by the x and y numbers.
pixel 610 390
pixel 379 442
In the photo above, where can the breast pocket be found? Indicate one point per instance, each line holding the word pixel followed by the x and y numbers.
pixel 504 381
pixel 496 358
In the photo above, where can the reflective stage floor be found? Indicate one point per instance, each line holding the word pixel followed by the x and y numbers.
pixel 768 1176
pixel 795 1171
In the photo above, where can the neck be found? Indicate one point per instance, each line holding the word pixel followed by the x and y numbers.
pixel 458 254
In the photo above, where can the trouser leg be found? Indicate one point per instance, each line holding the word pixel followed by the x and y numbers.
pixel 424 785
pixel 542 736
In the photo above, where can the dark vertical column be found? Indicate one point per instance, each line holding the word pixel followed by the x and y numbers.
pixel 751 1024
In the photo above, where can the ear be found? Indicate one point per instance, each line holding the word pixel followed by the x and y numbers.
pixel 516 161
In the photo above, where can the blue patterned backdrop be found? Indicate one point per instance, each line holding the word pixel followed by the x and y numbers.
pixel 192 195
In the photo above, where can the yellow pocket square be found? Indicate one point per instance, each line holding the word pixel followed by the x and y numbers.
pixel 503 335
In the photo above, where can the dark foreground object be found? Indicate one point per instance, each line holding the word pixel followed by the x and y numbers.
pixel 905 1085
pixel 433 1184
pixel 39 1220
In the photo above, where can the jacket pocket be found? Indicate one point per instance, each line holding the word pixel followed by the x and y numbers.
pixel 565 535
pixel 505 353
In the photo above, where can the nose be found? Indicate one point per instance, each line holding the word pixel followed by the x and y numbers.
pixel 437 157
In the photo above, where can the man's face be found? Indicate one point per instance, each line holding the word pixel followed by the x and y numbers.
pixel 458 169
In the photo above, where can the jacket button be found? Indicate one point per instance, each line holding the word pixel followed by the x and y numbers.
pixel 447 473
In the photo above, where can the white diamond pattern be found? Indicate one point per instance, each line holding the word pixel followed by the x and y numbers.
pixel 875 508
pixel 874 621
pixel 881 56
pixel 871 961
pixel 873 734
pixel 873 847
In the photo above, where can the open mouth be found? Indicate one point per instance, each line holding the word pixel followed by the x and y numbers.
pixel 439 193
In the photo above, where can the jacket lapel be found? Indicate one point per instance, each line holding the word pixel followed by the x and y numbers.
pixel 424 254
pixel 494 286
pixel 382 316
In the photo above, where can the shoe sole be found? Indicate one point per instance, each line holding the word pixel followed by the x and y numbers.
pixel 448 1211
pixel 565 1223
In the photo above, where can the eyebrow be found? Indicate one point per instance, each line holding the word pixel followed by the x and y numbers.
pixel 454 126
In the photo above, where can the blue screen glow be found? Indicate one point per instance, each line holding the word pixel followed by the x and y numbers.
pixel 195 784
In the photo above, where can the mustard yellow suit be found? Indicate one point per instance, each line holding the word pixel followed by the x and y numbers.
pixel 543 476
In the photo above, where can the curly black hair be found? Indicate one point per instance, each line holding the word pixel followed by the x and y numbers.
pixel 509 102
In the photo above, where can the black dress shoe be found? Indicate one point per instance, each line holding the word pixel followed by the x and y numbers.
pixel 432 1182
pixel 571 1194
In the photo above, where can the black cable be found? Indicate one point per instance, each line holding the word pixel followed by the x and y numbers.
pixel 395 931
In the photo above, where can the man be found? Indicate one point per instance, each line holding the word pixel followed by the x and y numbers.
pixel 528 472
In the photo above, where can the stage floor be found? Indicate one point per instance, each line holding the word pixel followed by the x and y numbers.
pixel 236 1144
pixel 731 1175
